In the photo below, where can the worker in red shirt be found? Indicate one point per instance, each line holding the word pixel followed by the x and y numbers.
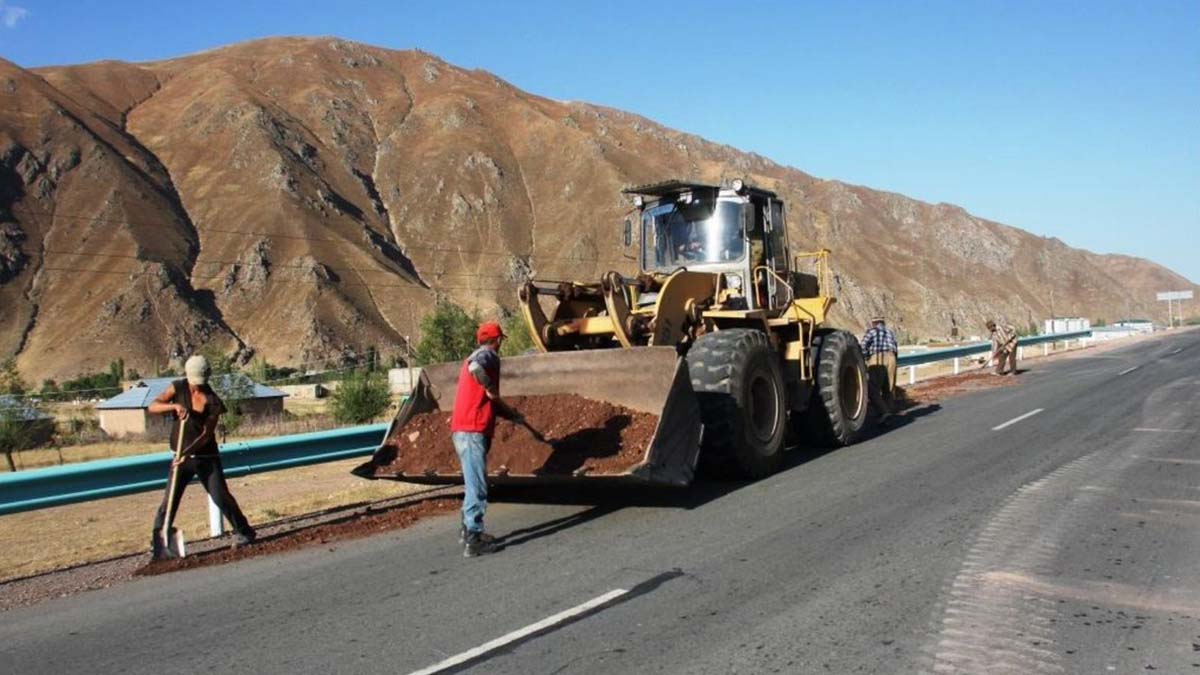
pixel 476 406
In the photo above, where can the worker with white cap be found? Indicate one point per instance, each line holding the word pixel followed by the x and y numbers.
pixel 196 408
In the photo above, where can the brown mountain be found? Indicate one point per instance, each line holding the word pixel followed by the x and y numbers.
pixel 303 199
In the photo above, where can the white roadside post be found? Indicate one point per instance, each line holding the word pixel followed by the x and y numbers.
pixel 1045 349
pixel 1020 352
pixel 216 525
pixel 912 374
pixel 956 365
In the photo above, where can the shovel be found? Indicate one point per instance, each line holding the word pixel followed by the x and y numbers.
pixel 536 434
pixel 173 543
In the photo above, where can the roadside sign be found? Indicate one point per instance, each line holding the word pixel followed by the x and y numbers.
pixel 1175 295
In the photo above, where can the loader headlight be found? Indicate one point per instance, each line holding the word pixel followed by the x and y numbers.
pixel 734 281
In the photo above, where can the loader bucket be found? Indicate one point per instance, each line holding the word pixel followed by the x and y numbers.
pixel 652 380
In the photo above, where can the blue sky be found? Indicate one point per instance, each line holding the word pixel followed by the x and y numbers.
pixel 1078 120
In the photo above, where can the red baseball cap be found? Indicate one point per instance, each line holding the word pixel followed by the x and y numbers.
pixel 488 331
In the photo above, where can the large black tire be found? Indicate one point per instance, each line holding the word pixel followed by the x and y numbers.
pixel 838 412
pixel 743 404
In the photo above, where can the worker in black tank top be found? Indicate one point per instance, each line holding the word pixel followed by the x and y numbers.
pixel 198 408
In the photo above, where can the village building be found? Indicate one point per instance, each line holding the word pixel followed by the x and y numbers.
pixel 128 413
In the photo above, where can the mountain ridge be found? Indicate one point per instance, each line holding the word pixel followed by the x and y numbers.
pixel 307 198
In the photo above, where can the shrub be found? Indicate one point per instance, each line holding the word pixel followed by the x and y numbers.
pixel 360 398
pixel 519 340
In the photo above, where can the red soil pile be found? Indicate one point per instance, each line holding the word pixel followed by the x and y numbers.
pixel 941 388
pixel 580 434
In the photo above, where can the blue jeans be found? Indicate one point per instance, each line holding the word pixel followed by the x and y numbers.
pixel 472 454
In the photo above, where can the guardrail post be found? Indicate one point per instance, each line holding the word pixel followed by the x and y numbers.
pixel 1045 349
pixel 1020 352
pixel 216 525
pixel 912 374
pixel 956 360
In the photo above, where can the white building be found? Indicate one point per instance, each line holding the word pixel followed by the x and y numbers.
pixel 1066 325
pixel 1139 325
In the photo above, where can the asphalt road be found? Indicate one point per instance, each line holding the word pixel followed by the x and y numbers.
pixel 1067 541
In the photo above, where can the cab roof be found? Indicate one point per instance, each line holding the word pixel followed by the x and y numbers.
pixel 675 186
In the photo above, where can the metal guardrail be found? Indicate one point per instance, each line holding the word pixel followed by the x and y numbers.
pixel 952 353
pixel 85 481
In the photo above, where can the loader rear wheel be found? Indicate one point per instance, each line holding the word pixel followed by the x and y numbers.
pixel 838 412
pixel 737 379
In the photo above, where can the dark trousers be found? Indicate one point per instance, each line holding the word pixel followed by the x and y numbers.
pixel 210 473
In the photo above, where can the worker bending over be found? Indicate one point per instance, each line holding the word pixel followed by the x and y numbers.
pixel 1004 347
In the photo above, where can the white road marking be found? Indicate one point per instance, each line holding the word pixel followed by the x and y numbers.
pixel 1175 352
pixel 1173 460
pixel 520 633
pixel 1014 420
pixel 1127 371
pixel 1164 431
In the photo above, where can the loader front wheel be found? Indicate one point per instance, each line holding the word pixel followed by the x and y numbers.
pixel 837 415
pixel 737 379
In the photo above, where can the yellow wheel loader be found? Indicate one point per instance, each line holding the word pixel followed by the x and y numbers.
pixel 721 335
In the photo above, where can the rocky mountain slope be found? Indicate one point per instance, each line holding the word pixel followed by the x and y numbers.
pixel 302 199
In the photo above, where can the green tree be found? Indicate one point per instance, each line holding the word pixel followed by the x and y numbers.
pixel 15 429
pixel 10 378
pixel 361 397
pixel 519 339
pixel 116 371
pixel 447 334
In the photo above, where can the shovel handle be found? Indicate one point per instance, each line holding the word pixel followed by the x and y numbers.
pixel 166 531
pixel 536 434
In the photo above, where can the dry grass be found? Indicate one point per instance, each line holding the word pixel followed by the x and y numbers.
pixel 42 457
pixel 39 541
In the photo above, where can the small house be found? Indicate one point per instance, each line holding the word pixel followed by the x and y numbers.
pixel 128 412
pixel 37 427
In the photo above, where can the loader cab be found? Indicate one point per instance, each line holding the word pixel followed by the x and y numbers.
pixel 736 231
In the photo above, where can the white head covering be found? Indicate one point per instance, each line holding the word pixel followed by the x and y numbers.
pixel 197 370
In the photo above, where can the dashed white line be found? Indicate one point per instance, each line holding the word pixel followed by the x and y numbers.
pixel 532 628
pixel 1176 351
pixel 1127 371
pixel 1165 431
pixel 1014 420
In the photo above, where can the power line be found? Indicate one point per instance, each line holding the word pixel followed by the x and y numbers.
pixel 201 261
pixel 281 235
pixel 314 282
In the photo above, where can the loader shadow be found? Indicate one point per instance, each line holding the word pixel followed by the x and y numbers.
pixel 902 419
pixel 606 498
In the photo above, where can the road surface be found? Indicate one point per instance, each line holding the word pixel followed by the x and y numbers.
pixel 1052 527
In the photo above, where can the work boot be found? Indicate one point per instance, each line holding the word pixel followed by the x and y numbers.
pixel 476 546
pixel 462 535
